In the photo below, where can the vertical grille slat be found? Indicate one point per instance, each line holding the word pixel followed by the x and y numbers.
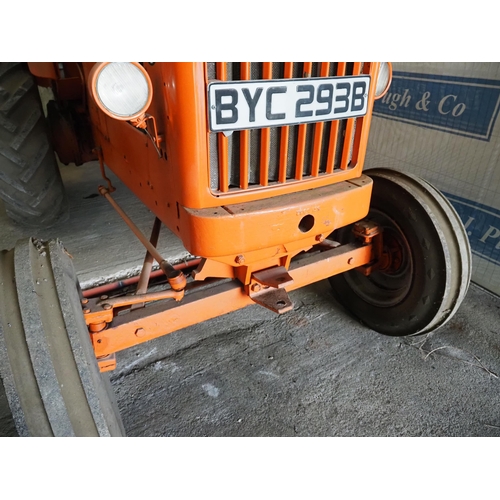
pixel 347 143
pixel 244 137
pixel 302 160
pixel 265 137
pixel 318 132
pixel 221 70
pixel 285 134
pixel 332 147
pixel 273 156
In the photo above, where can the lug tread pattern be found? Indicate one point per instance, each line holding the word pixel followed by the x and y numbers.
pixel 26 129
pixel 6 124
pixel 6 67
pixel 17 95
pixel 30 182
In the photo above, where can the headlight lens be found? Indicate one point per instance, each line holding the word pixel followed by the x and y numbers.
pixel 384 79
pixel 122 90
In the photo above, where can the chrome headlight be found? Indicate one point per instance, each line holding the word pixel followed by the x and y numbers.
pixel 384 79
pixel 122 90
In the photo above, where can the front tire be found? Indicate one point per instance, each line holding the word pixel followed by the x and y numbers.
pixel 47 363
pixel 430 259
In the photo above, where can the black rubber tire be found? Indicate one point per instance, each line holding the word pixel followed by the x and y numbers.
pixel 426 289
pixel 47 363
pixel 30 181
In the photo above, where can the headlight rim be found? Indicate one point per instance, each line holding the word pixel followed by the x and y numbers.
pixel 93 78
pixel 389 81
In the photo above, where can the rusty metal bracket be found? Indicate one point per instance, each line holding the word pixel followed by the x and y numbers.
pixel 275 299
pixel 141 123
pixel 267 288
pixel 371 233
pixel 276 277
pixel 366 230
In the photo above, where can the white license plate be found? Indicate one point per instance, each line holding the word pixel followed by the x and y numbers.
pixel 250 104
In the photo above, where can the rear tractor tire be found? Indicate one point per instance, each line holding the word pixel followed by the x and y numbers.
pixel 30 182
pixel 429 255
pixel 47 363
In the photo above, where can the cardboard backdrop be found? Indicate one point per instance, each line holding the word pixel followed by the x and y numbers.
pixel 440 121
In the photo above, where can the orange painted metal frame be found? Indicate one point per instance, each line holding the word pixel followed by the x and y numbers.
pixel 176 187
pixel 199 305
pixel 269 224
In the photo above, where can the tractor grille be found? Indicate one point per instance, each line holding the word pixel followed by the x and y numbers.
pixel 274 156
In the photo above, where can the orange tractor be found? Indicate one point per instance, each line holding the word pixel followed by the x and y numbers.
pixel 256 167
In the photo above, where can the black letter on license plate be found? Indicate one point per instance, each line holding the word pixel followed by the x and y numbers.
pixel 252 101
pixel 227 106
pixel 343 98
pixel 308 100
pixel 269 101
pixel 358 95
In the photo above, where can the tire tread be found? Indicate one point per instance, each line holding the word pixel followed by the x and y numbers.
pixel 30 182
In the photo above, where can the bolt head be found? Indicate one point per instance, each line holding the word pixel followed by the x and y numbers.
pixel 140 332
pixel 104 297
pixel 86 311
pixel 256 287
pixel 107 306
pixel 239 259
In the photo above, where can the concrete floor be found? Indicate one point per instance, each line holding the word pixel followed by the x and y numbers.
pixel 311 372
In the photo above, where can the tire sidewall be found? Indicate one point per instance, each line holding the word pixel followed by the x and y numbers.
pixel 429 255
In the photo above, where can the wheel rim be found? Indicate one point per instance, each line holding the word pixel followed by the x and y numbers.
pixel 388 287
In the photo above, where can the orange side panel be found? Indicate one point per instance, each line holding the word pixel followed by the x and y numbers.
pixel 43 70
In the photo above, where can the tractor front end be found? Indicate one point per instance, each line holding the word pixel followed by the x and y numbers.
pixel 256 162
pixel 258 169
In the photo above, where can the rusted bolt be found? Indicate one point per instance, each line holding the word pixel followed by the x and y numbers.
pixel 85 301
pixel 140 332
pixel 320 237
pixel 239 259
pixel 255 287
pixel 103 297
pixel 106 306
pixel 350 261
pixel 86 310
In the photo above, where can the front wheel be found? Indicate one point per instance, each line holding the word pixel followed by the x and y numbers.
pixel 47 363
pixel 428 256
